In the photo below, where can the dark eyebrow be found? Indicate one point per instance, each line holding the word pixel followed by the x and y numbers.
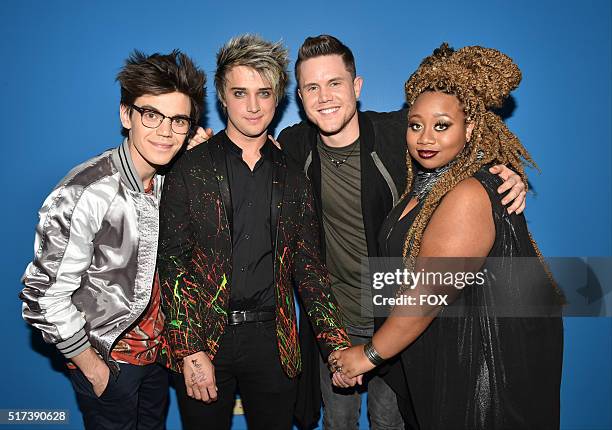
pixel 149 107
pixel 336 78
pixel 154 109
pixel 244 89
pixel 436 114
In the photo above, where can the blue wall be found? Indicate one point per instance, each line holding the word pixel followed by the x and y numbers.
pixel 59 106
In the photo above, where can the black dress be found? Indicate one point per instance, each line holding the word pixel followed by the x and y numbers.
pixel 483 370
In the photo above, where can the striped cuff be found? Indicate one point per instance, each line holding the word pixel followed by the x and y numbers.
pixel 75 345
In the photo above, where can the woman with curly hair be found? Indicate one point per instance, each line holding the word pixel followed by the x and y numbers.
pixel 492 358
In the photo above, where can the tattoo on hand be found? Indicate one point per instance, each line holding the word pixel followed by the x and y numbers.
pixel 196 364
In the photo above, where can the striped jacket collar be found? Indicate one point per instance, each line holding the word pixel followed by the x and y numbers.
pixel 122 159
pixel 123 162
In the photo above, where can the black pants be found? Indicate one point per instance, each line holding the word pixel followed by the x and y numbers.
pixel 247 361
pixel 136 400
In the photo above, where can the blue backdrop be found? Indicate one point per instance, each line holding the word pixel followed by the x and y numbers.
pixel 59 107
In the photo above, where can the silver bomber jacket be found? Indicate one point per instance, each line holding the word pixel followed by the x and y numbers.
pixel 95 256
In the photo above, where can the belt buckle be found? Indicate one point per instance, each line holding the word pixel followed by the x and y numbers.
pixel 236 320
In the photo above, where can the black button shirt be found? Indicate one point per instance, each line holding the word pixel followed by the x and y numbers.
pixel 253 256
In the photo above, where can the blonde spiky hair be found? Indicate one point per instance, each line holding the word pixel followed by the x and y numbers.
pixel 269 59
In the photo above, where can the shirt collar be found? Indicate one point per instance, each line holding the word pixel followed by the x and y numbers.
pixel 232 148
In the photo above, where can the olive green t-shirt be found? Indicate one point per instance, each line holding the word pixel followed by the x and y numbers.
pixel 345 239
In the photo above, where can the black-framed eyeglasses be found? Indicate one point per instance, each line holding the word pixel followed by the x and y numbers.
pixel 152 119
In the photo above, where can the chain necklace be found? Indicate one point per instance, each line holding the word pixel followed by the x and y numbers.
pixel 337 162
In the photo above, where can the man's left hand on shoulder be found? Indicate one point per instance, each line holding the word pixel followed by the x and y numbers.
pixel 514 183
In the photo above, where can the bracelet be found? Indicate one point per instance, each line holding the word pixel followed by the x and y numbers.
pixel 372 354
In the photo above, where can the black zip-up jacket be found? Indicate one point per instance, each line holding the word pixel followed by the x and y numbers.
pixel 382 142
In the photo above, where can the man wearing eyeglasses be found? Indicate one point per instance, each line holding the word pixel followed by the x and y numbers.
pixel 92 288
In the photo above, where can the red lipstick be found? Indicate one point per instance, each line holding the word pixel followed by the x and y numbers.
pixel 427 154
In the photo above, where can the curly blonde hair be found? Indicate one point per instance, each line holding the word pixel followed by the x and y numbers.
pixel 481 79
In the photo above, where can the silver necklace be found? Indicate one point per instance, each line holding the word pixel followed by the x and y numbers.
pixel 337 162
pixel 425 180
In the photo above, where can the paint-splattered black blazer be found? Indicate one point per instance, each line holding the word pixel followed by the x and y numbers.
pixel 195 258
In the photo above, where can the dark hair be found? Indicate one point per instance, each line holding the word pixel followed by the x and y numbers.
pixel 324 44
pixel 162 74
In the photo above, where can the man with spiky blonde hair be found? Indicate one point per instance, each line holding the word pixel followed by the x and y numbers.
pixel 238 231
pixel 268 59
